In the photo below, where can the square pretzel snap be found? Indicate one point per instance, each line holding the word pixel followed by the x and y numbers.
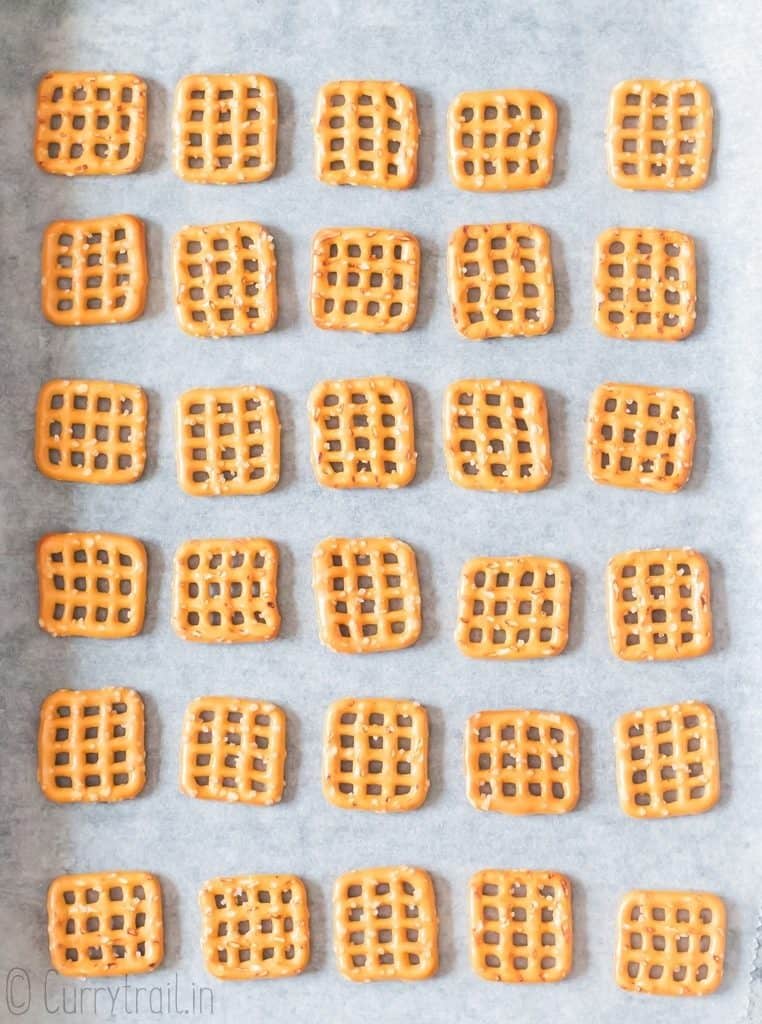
pixel 234 750
pixel 516 607
pixel 644 284
pixel 659 604
pixel 496 435
pixel 385 924
pixel 521 925
pixel 362 433
pixel 501 140
pixel 228 441
pixel 226 591
pixel 670 943
pixel 500 278
pixel 641 437
pixel 225 128
pixel 90 122
pixel 90 745
pixel 107 923
pixel 91 584
pixel 94 271
pixel 659 134
pixel 367 594
pixel 366 133
pixel 375 755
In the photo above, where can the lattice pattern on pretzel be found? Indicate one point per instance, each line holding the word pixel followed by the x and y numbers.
pixel 667 761
pixel 225 128
pixel 515 607
pixel 367 594
pixel 644 284
pixel 496 435
pixel 90 122
pixel 91 584
pixel 385 924
pixel 521 925
pixel 501 140
pixel 233 749
pixel 522 762
pixel 500 280
pixel 107 923
pixel 90 745
pixel 366 133
pixel 228 441
pixel 659 604
pixel 642 437
pixel 670 943
pixel 94 271
pixel 362 433
pixel 659 134
pixel 226 591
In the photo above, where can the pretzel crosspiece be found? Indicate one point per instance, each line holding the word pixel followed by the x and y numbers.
pixel 513 608
pixel 362 433
pixel 375 756
pixel 94 271
pixel 659 604
pixel 670 943
pixel 522 762
pixel 521 925
pixel 385 924
pixel 496 435
pixel 366 133
pixel 228 441
pixel 501 140
pixel 644 284
pixel 659 134
pixel 225 128
pixel 500 278
pixel 367 594
pixel 107 923
pixel 641 437
pixel 91 584
pixel 90 745
pixel 90 122
pixel 226 591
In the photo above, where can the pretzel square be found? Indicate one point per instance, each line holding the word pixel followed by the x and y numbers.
pixel 521 925
pixel 225 128
pixel 670 943
pixel 364 279
pixel 644 284
pixel 234 750
pixel 385 924
pixel 375 756
pixel 362 433
pixel 659 134
pixel 522 762
pixel 226 591
pixel 90 745
pixel 516 607
pixel 496 435
pixel 90 122
pixel 659 604
pixel 91 584
pixel 501 140
pixel 225 280
pixel 641 437
pixel 106 923
pixel 366 133
pixel 94 271
pixel 500 280
pixel 367 594
pixel 228 441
